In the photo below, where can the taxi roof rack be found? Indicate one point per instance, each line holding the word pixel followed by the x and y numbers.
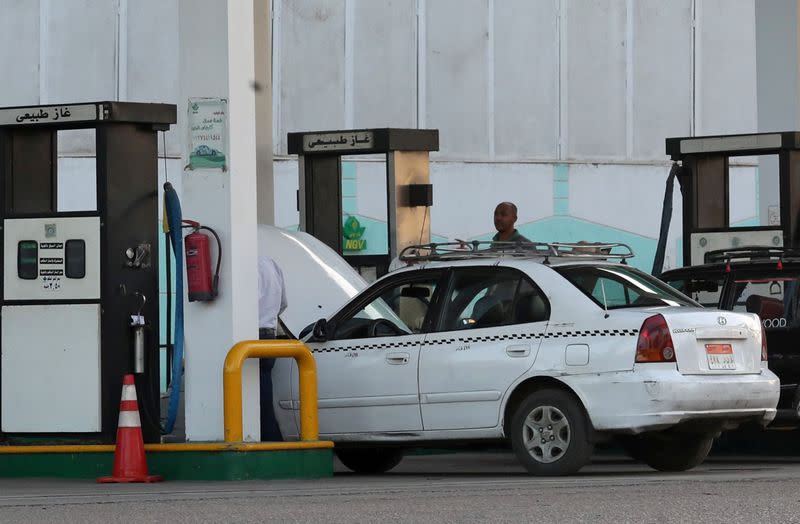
pixel 463 250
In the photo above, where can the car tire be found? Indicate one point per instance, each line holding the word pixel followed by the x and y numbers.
pixel 669 451
pixel 369 460
pixel 562 445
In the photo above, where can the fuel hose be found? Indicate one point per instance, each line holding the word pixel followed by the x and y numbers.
pixel 172 206
pixel 666 218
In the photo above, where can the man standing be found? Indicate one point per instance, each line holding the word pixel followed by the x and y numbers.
pixel 271 303
pixel 505 216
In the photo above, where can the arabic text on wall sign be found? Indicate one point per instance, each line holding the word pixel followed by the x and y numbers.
pixel 208 138
pixel 346 141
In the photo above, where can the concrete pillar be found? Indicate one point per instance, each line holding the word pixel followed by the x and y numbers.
pixel 263 81
pixel 217 60
pixel 778 89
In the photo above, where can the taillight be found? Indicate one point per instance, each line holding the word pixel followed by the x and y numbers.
pixel 655 342
pixel 764 355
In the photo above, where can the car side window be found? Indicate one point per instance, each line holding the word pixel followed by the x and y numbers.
pixel 399 309
pixel 620 286
pixel 492 297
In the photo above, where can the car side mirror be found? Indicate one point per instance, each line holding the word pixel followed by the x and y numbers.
pixel 321 330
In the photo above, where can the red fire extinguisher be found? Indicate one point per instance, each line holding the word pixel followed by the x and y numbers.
pixel 200 282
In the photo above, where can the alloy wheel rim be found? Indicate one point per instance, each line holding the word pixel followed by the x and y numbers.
pixel 546 434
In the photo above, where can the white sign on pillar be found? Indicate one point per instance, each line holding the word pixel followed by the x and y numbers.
pixel 217 64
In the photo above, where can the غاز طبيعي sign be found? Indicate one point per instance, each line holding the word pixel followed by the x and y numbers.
pixel 352 233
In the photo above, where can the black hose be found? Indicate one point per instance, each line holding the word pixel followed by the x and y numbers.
pixel 168 260
pixel 666 217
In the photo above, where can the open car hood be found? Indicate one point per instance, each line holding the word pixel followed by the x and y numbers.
pixel 318 280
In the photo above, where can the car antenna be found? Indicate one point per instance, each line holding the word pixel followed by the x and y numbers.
pixel 605 304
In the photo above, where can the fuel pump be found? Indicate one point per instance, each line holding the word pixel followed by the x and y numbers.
pixel 79 290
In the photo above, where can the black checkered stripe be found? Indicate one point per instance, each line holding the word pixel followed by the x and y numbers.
pixel 594 333
pixel 490 338
pixel 528 336
pixel 385 345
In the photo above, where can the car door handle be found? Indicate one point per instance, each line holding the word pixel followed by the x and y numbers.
pixel 518 350
pixel 397 359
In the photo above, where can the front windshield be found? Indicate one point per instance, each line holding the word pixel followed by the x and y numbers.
pixel 380 309
pixel 616 287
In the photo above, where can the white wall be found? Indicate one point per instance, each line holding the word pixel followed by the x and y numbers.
pixel 516 87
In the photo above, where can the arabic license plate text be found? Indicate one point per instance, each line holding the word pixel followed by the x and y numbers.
pixel 720 356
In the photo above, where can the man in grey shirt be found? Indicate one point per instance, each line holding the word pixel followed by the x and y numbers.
pixel 505 216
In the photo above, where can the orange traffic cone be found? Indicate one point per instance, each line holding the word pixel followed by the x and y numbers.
pixel 130 464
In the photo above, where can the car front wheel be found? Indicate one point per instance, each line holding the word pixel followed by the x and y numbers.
pixel 550 433
pixel 669 451
pixel 369 460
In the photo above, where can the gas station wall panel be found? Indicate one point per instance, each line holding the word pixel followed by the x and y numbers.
pixel 456 99
pixel 743 187
pixel 465 196
pixel 19 40
pixel 152 62
pixel 384 85
pixel 526 79
pixel 726 67
pixel 633 205
pixel 311 65
pixel 77 173
pixel 80 46
pixel 662 86
pixel 371 189
pixel 596 78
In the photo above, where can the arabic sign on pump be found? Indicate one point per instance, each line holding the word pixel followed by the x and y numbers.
pixel 344 141
pixel 45 115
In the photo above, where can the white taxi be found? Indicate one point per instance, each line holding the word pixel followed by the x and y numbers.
pixel 552 347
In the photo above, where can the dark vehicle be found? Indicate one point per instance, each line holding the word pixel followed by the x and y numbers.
pixel 758 280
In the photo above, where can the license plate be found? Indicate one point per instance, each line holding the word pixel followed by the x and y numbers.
pixel 720 356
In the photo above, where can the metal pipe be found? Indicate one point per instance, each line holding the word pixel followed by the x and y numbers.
pixel 232 383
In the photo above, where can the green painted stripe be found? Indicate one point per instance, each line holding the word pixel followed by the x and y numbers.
pixel 349 170
pixel 561 190
pixel 224 465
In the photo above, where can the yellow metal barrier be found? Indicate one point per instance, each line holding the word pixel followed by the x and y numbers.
pixel 232 383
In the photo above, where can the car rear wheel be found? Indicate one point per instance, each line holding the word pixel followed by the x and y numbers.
pixel 669 451
pixel 550 434
pixel 370 460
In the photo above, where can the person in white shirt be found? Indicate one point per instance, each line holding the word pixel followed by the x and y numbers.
pixel 271 303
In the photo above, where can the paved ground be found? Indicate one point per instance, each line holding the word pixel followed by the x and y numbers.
pixel 462 487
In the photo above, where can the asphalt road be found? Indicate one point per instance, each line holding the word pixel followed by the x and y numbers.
pixel 460 487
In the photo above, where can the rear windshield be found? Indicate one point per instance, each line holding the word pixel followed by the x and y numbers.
pixel 617 287
pixel 703 289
